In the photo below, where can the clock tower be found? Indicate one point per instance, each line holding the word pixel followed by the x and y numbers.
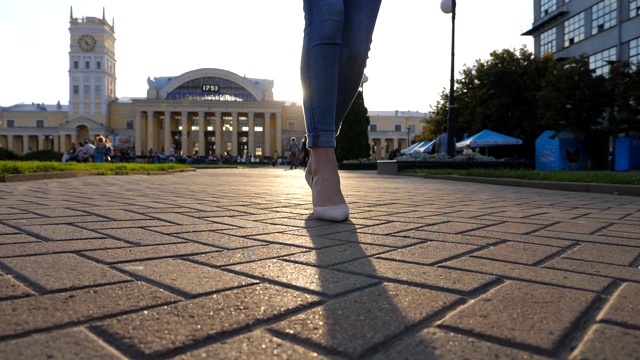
pixel 92 67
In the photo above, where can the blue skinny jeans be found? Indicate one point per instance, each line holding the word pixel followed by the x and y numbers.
pixel 335 49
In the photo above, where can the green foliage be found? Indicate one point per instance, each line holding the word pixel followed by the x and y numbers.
pixel 519 95
pixel 353 138
pixel 600 177
pixel 27 167
pixel 44 155
pixel 8 155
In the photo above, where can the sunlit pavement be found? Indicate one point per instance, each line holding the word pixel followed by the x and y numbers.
pixel 227 263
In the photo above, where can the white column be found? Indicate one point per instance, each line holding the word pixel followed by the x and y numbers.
pixel 219 139
pixel 10 143
pixel 167 132
pixel 251 142
pixel 266 133
pixel 279 133
pixel 234 134
pixel 41 142
pixel 151 136
pixel 138 150
pixel 185 135
pixel 202 126
pixel 25 144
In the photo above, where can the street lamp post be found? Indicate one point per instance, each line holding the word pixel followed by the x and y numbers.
pixel 449 7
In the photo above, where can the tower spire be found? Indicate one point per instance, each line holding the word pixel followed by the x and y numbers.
pixel 71 14
pixel 103 13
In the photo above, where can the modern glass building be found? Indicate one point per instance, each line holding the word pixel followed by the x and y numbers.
pixel 608 31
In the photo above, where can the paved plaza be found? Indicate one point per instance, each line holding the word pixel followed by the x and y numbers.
pixel 227 264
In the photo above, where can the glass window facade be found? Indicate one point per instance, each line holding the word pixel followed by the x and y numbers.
pixel 76 89
pixel 11 123
pixel 211 88
pixel 634 52
pixel 603 16
pixel 87 89
pixel 547 6
pixel 39 123
pixel 634 8
pixel 291 125
pixel 397 127
pixel 574 30
pixel 373 127
pixel 599 62
pixel 548 41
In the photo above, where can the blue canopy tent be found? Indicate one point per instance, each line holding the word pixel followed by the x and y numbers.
pixel 487 138
pixel 411 148
pixel 426 147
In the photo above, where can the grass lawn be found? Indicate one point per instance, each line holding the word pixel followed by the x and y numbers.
pixel 602 177
pixel 29 167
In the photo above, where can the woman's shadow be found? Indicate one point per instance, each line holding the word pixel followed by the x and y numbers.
pixel 362 315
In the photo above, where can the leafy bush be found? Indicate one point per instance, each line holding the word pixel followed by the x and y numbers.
pixel 44 155
pixel 9 155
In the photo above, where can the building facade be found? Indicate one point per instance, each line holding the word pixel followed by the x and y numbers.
pixel 203 111
pixel 608 31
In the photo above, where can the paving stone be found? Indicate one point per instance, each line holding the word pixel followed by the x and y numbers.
pixel 222 241
pixel 620 234
pixel 70 344
pixel 522 238
pixel 454 238
pixel 121 224
pixel 180 219
pixel 141 236
pixel 298 240
pixel 515 228
pixel 159 330
pixel 588 238
pixel 61 232
pixel 389 228
pixel 429 253
pixel 117 214
pixel 337 254
pixel 531 273
pixel 51 247
pixel 452 227
pixel 624 307
pixel 258 230
pixel 446 279
pixel 186 277
pixel 15 239
pixel 380 313
pixel 373 239
pixel 610 254
pixel 255 345
pixel 36 313
pixel 587 267
pixel 57 212
pixel 73 220
pixel 542 327
pixel 10 288
pixel 433 343
pixel 71 271
pixel 578 227
pixel 331 228
pixel 184 229
pixel 605 342
pixel 140 253
pixel 321 281
pixel 628 228
pixel 517 252
pixel 239 256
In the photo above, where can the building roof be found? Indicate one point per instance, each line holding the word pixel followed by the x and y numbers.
pixel 401 114
pixel 36 107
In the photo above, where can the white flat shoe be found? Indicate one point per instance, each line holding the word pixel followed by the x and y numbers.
pixel 336 213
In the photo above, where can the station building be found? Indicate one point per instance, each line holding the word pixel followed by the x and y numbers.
pixel 204 111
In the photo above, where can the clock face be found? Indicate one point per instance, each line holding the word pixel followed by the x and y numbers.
pixel 87 43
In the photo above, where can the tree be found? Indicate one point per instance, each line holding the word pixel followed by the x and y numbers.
pixel 353 139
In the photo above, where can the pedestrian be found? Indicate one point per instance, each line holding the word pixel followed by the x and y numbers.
pixel 294 152
pixel 335 47
pixel 441 141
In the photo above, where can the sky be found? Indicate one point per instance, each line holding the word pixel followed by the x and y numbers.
pixel 409 62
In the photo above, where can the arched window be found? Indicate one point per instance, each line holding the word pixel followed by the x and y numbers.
pixel 211 88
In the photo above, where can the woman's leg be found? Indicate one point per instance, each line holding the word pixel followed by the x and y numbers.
pixel 322 59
